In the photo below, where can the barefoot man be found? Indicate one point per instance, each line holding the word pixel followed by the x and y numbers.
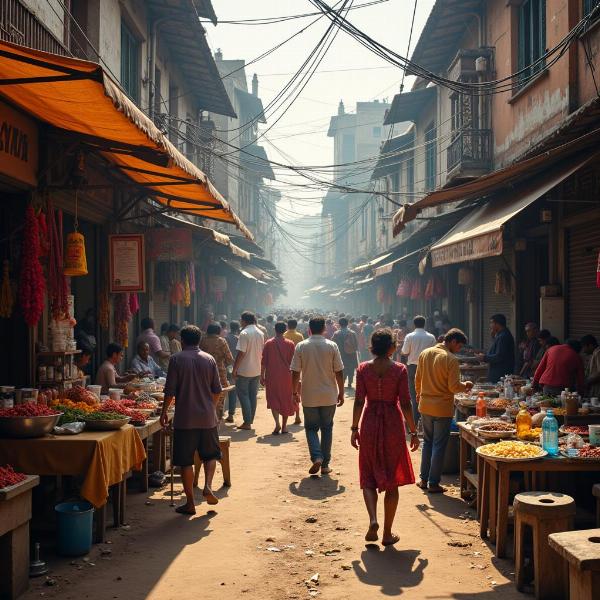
pixel 193 381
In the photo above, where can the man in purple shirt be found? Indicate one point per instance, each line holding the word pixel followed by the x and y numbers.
pixel 149 337
pixel 193 382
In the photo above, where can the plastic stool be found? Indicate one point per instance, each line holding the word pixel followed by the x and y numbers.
pixel 544 513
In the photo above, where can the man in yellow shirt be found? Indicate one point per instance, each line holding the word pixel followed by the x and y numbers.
pixel 292 333
pixel 436 381
pixel 295 336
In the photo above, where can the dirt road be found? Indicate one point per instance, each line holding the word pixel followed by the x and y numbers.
pixel 277 528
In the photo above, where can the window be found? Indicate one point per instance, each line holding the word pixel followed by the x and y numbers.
pixel 532 39
pixel 430 158
pixel 130 63
pixel 588 7
pixel 377 132
pixel 347 147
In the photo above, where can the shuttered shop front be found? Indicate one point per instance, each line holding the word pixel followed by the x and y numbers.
pixel 494 303
pixel 583 297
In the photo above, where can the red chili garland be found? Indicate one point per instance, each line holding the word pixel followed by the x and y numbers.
pixel 57 282
pixel 31 282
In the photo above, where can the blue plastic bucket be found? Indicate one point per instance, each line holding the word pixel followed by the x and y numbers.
pixel 75 520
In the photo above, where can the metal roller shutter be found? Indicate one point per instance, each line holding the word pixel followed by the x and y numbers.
pixel 583 309
pixel 496 303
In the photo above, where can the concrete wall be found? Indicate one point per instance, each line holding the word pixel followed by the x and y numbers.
pixel 521 119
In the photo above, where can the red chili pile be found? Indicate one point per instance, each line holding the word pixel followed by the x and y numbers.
pixel 589 452
pixel 28 410
pixel 8 476
pixel 112 406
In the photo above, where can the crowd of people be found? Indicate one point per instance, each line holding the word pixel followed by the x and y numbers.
pixel 405 378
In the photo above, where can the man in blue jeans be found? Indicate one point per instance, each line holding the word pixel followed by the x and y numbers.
pixel 318 363
pixel 436 381
pixel 246 369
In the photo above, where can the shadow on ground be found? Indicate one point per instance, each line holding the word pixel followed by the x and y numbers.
pixel 390 570
pixel 276 440
pixel 317 488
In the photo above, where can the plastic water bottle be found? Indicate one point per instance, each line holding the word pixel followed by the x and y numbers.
pixel 550 433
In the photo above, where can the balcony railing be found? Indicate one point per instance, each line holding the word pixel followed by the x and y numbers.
pixel 19 26
pixel 470 152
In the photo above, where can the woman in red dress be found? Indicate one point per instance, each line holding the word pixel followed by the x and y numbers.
pixel 277 377
pixel 384 461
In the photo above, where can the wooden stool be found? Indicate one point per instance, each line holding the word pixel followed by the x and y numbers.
pixel 581 549
pixel 224 443
pixel 544 513
pixel 596 492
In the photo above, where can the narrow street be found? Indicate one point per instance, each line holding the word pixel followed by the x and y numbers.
pixel 261 542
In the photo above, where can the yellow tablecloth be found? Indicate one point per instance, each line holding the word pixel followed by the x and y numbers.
pixel 101 457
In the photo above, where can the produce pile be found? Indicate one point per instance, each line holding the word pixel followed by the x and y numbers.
pixel 117 407
pixel 69 404
pixel 8 476
pixel 578 429
pixel 589 451
pixel 497 426
pixel 28 410
pixel 102 415
pixel 511 450
pixel 137 404
pixel 80 394
pixel 71 415
pixel 498 403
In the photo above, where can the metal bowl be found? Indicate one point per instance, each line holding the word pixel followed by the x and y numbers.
pixel 106 425
pixel 27 427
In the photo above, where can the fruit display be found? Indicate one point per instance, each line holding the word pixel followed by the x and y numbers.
pixel 511 450
pixel 28 410
pixel 8 477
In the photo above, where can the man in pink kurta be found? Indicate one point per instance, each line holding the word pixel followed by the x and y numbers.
pixel 277 377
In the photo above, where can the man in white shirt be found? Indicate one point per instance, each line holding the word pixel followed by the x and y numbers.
pixel 247 367
pixel 317 361
pixel 414 344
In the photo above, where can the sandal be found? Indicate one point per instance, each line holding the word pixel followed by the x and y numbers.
pixel 184 510
pixel 422 485
pixel 393 540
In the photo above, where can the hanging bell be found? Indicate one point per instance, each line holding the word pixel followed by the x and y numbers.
pixel 75 261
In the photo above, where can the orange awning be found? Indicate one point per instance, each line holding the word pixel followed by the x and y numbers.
pixel 80 100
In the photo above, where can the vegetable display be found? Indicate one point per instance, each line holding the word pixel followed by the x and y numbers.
pixel 102 415
pixel 28 410
pixel 8 476
pixel 112 406
pixel 31 283
pixel 71 415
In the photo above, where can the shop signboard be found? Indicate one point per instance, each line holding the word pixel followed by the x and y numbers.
pixel 169 244
pixel 127 263
pixel 489 244
pixel 18 146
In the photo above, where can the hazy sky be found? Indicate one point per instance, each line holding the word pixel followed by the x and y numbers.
pixel 348 71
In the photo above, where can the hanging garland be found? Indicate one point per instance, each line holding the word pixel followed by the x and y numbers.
pixel 122 318
pixel 6 292
pixel 31 282
pixel 57 282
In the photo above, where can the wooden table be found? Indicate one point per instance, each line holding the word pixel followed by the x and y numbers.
pixel 494 492
pixel 15 514
pixel 470 464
